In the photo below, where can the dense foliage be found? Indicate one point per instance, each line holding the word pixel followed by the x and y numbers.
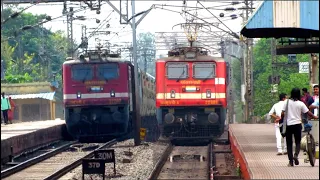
pixel 31 55
pixel 263 97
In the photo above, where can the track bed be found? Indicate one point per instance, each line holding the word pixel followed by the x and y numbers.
pixel 186 162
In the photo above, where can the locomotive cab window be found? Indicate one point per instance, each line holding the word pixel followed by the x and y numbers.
pixel 108 71
pixel 82 72
pixel 177 70
pixel 204 70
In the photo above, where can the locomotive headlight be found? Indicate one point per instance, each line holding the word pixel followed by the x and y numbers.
pixel 169 118
pixel 208 94
pixel 79 95
pixel 112 93
pixel 213 118
pixel 173 94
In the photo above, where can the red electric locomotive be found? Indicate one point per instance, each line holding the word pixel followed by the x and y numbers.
pixel 98 94
pixel 191 94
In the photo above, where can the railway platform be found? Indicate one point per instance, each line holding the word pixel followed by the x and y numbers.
pixel 27 135
pixel 254 148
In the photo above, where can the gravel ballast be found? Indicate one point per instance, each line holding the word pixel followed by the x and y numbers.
pixel 137 166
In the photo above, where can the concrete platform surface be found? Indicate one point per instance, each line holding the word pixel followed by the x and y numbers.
pixel 254 146
pixel 27 135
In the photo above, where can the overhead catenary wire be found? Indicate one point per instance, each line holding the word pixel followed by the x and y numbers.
pixel 43 22
pixel 215 17
pixel 94 31
pixel 192 8
pixel 15 14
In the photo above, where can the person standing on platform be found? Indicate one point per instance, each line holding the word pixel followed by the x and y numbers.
pixel 275 113
pixel 315 95
pixel 11 111
pixel 292 123
pixel 5 106
pixel 306 97
pixel 315 107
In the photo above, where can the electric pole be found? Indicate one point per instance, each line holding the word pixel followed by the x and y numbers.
pixel 314 73
pixel 273 69
pixel 84 38
pixel 69 28
pixel 2 11
pixel 137 123
pixel 248 70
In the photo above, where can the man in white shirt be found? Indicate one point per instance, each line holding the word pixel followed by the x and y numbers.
pixel 275 113
pixel 292 125
pixel 315 107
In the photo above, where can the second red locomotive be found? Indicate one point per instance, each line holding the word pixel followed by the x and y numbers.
pixel 191 94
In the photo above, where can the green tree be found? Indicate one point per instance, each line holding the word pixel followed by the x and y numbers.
pixel 18 70
pixel 37 51
pixel 290 78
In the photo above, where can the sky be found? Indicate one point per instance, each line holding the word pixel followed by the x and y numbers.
pixel 160 19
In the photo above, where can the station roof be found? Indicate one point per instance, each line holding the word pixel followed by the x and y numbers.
pixel 36 90
pixel 299 19
pixel 47 95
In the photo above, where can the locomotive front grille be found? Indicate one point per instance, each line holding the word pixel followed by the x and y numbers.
pixel 99 129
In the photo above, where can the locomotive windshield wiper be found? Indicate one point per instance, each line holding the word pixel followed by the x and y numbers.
pixel 106 79
pixel 208 76
pixel 85 77
pixel 181 75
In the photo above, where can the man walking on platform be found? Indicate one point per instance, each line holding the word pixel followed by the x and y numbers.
pixel 5 106
pixel 275 113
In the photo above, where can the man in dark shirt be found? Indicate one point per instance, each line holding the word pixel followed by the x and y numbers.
pixel 305 96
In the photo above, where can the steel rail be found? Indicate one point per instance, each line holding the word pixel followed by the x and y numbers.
pixel 12 170
pixel 74 164
pixel 157 169
pixel 210 161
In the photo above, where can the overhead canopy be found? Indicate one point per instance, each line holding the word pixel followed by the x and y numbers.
pixel 48 96
pixel 299 19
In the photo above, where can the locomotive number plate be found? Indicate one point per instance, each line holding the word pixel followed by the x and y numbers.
pixel 95 88
pixel 209 102
pixel 169 102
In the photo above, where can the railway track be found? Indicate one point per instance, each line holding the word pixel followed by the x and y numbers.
pixel 213 162
pixel 183 162
pixel 29 154
pixel 54 164
pixel 222 163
